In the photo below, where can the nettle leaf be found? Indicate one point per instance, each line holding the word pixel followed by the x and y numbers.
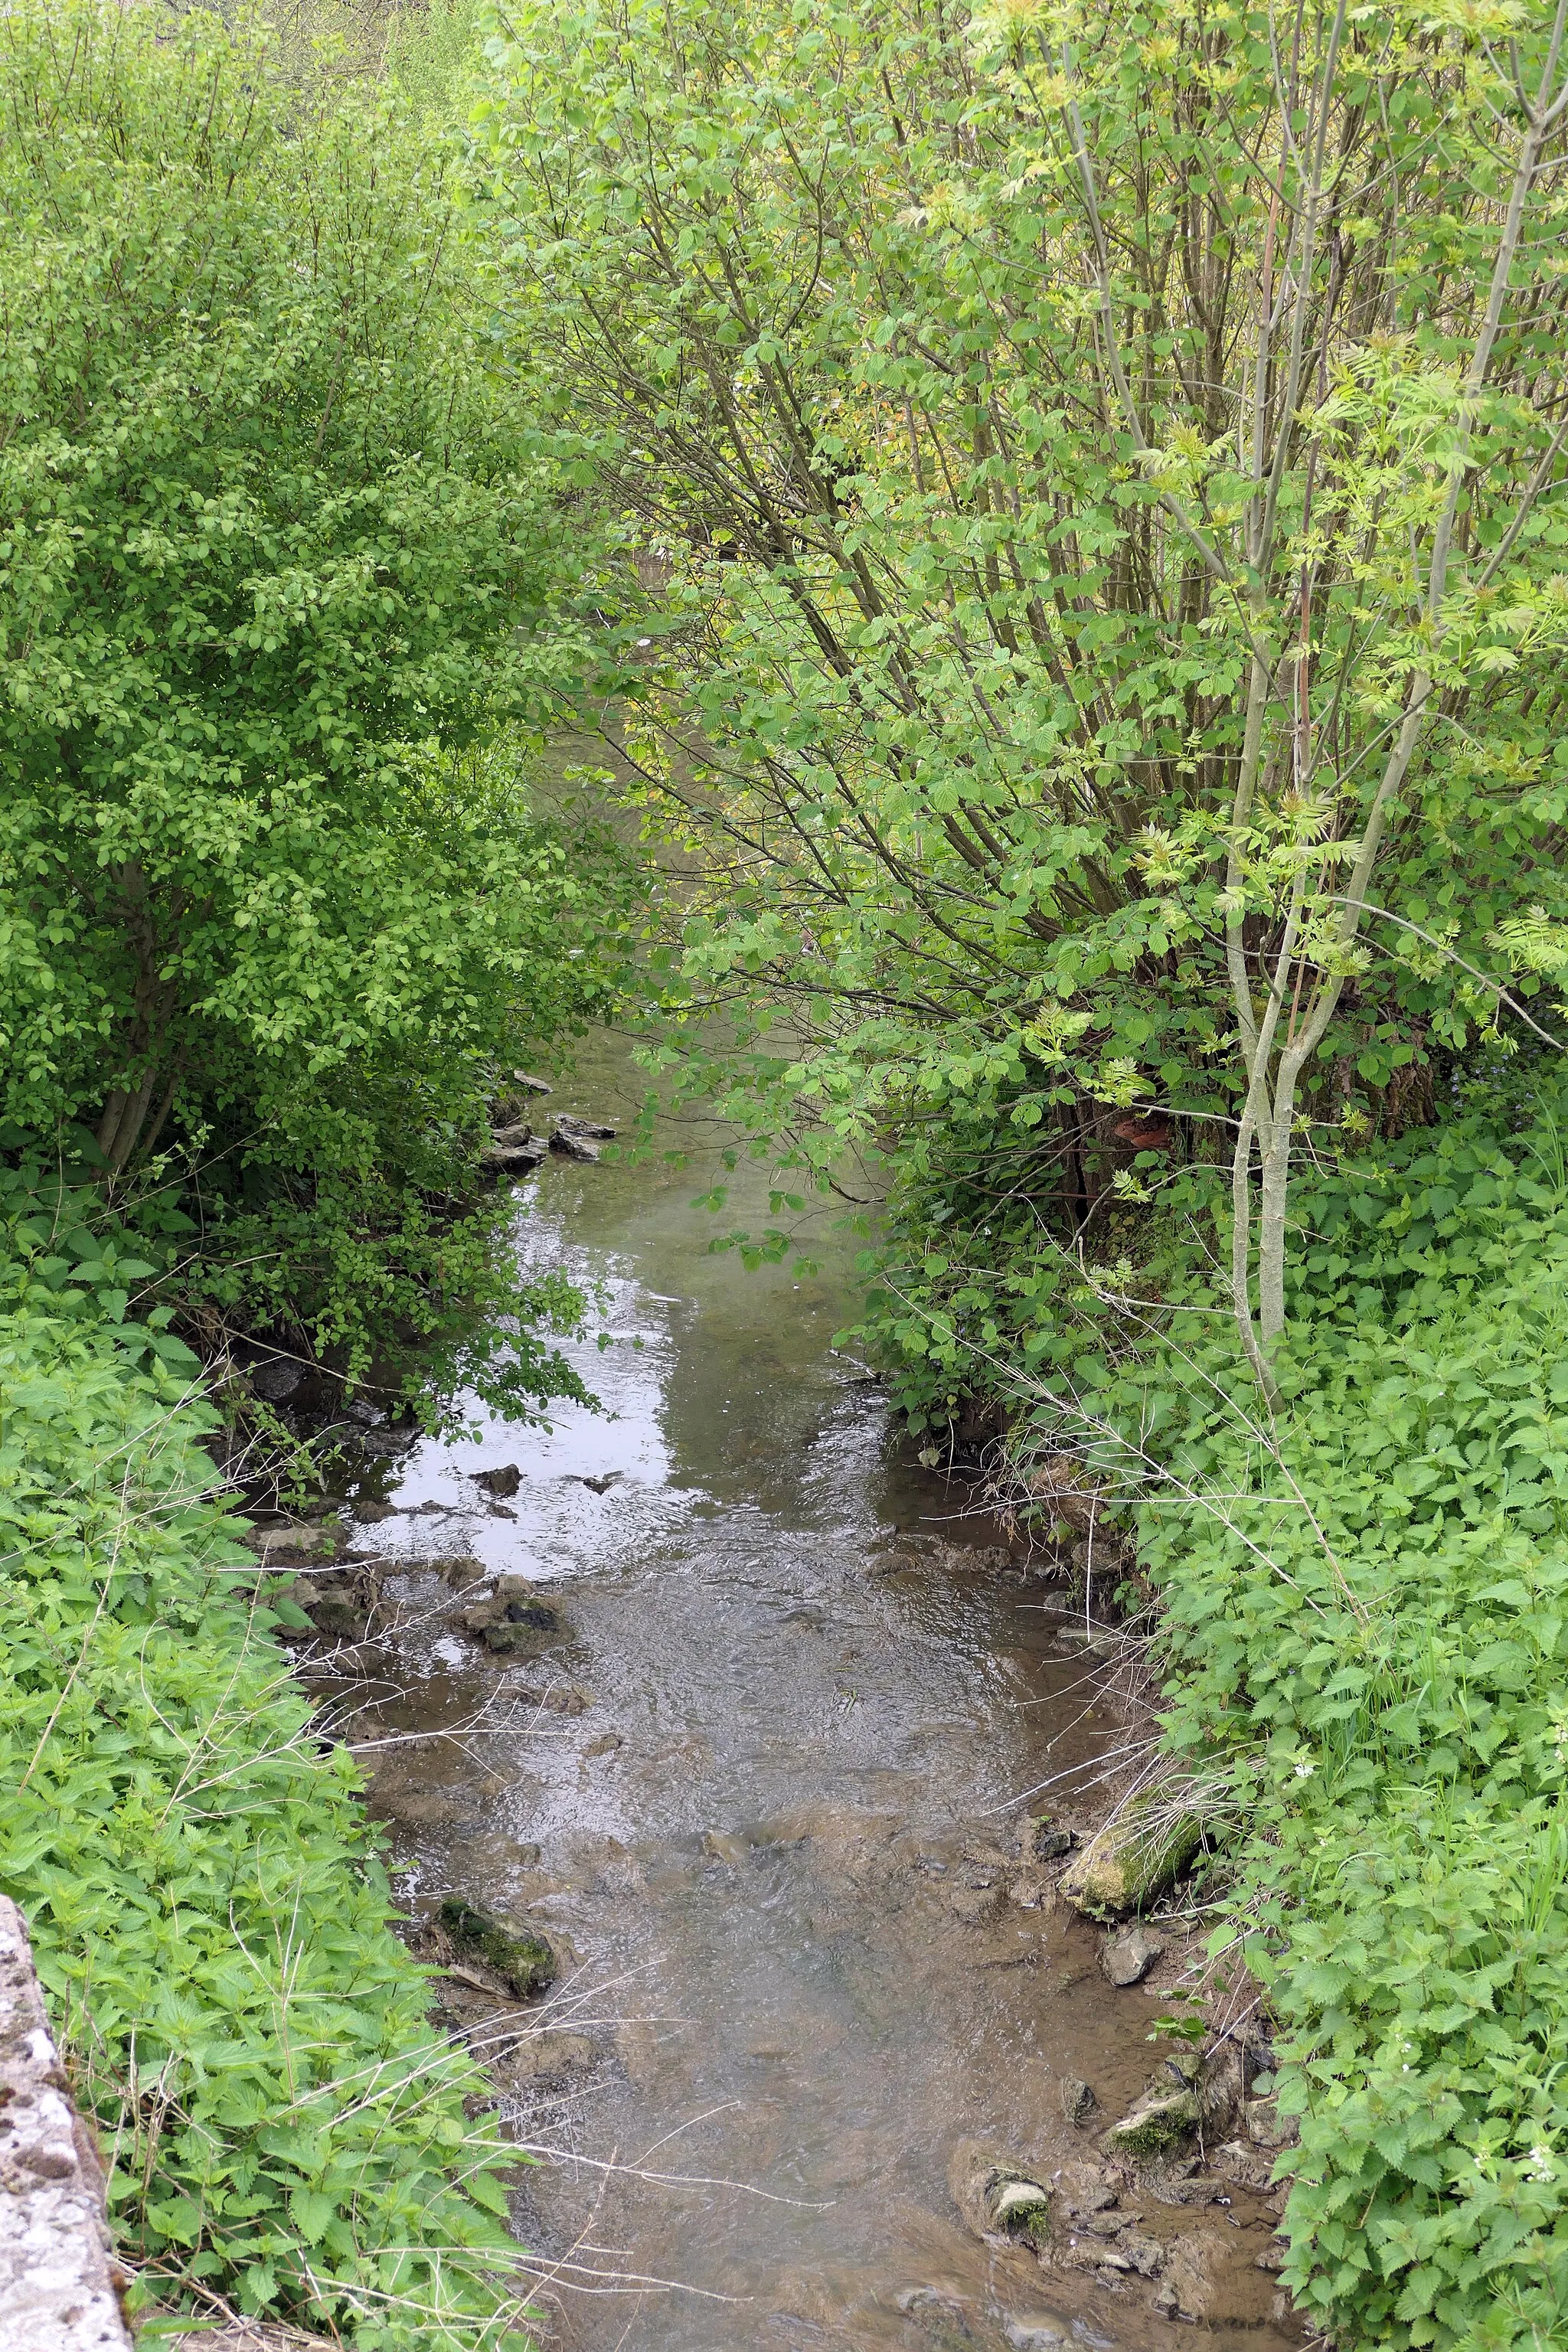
pixel 312 2213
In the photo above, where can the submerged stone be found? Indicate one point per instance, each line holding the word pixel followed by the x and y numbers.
pixel 525 1963
pixel 1078 2099
pixel 976 1905
pixel 1028 2331
pixel 1126 1960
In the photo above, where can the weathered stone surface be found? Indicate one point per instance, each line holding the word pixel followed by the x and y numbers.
pixel 1178 2181
pixel 56 2273
pixel 560 1698
pixel 941 2322
pixel 1131 1860
pixel 513 1618
pixel 1221 2087
pixel 526 1963
pixel 341 1604
pixel 1062 1485
pixel 1030 2331
pixel 513 1150
pixel 1154 2127
pixel 1085 2189
pixel 1245 2166
pixel 1267 2127
pixel 1041 1840
pixel 503 1480
pixel 997 2195
pixel 297 1539
pixel 1078 2100
pixel 460 1571
pixel 544 2057
pixel 1187 2289
pixel 578 1138
pixel 1126 1960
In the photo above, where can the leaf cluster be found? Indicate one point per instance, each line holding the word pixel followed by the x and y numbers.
pixel 212 1921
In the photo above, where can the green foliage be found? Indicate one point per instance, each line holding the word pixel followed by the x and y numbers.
pixel 281 581
pixel 210 1917
pixel 1365 1625
pixel 928 357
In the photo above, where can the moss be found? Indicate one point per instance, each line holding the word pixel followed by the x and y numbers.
pixel 1134 1859
pixel 524 1962
pixel 513 1619
pixel 1153 2130
pixel 1019 2205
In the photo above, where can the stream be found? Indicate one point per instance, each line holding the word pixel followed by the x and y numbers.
pixel 794 1676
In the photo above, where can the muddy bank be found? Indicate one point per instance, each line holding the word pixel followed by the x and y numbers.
pixel 739 1715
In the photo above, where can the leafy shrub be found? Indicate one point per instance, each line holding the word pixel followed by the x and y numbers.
pixel 1366 1625
pixel 283 582
pixel 212 1924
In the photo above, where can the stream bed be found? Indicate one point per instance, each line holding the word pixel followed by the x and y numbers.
pixel 784 1679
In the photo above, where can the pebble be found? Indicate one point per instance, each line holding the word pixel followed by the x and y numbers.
pixel 1127 1959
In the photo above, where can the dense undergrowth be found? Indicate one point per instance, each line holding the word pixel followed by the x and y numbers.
pixel 284 2128
pixel 1367 1618
pixel 1363 1627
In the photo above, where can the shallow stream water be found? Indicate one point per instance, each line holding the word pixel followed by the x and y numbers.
pixel 795 1676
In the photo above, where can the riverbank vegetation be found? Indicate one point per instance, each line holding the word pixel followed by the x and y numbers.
pixel 284 2130
pixel 1059 518
pixel 283 588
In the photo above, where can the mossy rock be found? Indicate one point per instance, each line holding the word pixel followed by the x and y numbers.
pixel 1022 2208
pixel 997 2195
pixel 1132 1860
pixel 1155 2129
pixel 514 1619
pixel 526 1963
pixel 342 1606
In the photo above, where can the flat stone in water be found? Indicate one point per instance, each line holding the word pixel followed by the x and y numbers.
pixel 1126 1960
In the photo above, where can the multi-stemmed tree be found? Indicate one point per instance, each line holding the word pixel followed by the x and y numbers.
pixel 1110 470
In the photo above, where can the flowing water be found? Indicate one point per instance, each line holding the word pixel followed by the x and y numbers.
pixel 794 1676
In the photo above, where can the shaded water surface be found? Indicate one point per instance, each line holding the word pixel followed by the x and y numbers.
pixel 790 1682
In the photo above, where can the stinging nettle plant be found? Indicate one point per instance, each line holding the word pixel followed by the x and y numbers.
pixel 1110 470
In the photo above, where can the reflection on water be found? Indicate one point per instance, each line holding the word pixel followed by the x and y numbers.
pixel 796 1683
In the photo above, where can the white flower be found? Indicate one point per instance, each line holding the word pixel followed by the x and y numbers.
pixel 1540 2167
pixel 1305 1767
